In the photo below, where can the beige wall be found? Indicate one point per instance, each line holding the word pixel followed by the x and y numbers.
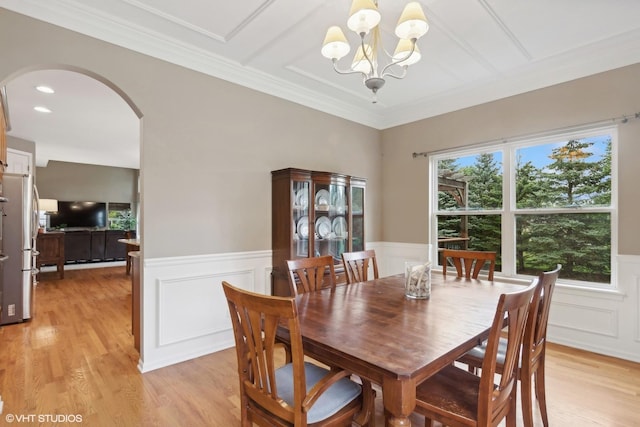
pixel 591 99
pixel 208 146
pixel 21 145
pixel 82 182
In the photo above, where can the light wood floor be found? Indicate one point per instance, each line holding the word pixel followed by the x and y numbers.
pixel 76 358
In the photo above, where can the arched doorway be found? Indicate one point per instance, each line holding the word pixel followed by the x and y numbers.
pixel 91 122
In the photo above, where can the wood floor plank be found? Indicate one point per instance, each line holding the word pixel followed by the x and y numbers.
pixel 76 357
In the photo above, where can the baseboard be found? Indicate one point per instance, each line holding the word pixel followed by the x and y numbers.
pixel 85 265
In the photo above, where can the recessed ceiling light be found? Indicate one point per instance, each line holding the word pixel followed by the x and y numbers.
pixel 45 89
pixel 42 109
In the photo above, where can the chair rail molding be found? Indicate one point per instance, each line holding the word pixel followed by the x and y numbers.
pixel 184 315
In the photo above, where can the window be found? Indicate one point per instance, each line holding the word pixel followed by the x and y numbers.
pixel 536 202
pixel 121 217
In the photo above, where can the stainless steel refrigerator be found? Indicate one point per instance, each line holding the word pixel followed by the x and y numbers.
pixel 18 241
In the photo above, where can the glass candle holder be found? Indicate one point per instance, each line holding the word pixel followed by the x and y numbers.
pixel 417 279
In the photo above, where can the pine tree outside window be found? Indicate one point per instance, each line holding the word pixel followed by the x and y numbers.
pixel 536 202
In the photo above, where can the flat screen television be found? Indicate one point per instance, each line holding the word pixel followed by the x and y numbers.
pixel 79 215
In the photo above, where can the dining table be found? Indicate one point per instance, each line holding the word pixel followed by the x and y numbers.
pixel 133 249
pixel 374 331
pixel 131 242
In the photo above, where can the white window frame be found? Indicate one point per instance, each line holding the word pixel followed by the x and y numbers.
pixel 508 211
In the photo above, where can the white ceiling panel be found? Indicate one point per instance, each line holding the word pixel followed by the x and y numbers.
pixel 219 20
pixel 550 27
pixel 480 32
pixel 271 38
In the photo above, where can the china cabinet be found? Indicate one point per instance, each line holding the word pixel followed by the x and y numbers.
pixel 314 214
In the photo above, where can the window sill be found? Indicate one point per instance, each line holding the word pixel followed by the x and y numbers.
pixel 612 294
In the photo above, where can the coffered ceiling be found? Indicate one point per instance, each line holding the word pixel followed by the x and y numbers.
pixel 475 51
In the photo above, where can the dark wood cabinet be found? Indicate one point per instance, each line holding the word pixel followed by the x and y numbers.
pixel 113 248
pixel 59 248
pixel 97 245
pixel 51 250
pixel 94 245
pixel 77 246
pixel 314 214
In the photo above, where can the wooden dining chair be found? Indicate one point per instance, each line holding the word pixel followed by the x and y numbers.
pixel 533 349
pixel 456 397
pixel 469 263
pixel 298 393
pixel 356 265
pixel 311 274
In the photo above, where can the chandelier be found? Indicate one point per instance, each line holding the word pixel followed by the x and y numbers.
pixel 363 20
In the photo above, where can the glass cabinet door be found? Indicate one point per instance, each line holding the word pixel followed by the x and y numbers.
pixel 338 215
pixel 300 219
pixel 357 218
pixel 331 225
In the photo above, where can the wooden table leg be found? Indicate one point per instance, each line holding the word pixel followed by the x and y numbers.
pixel 399 398
pixel 60 268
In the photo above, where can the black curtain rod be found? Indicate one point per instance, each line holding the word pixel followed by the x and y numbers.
pixel 622 119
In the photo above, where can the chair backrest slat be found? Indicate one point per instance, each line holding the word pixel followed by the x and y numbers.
pixel 357 265
pixel 311 274
pixel 468 264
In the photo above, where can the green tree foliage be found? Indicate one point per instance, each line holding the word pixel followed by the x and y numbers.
pixel 485 192
pixel 602 180
pixel 122 220
pixel 532 191
pixel 450 226
pixel 485 183
pixel 573 179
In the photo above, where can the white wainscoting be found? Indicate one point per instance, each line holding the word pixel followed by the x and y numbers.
pixel 185 315
pixel 605 322
pixel 392 256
